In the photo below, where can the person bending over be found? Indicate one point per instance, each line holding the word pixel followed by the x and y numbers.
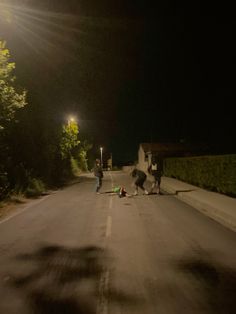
pixel 140 179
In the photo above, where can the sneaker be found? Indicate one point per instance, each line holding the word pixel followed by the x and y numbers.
pixel 98 193
pixel 135 193
pixel 146 192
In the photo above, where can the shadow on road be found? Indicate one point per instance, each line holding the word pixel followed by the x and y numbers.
pixel 218 284
pixel 64 280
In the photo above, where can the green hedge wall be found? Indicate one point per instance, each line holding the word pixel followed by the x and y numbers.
pixel 215 173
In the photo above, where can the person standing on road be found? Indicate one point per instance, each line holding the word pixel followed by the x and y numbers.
pixel 140 179
pixel 98 174
pixel 155 169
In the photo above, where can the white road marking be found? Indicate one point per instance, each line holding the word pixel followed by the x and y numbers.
pixel 109 219
pixel 111 179
pixel 109 224
pixel 102 307
pixel 110 202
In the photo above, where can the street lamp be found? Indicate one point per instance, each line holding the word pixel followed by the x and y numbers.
pixel 71 119
pixel 101 148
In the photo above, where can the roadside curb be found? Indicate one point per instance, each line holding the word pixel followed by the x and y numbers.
pixel 219 207
pixel 212 211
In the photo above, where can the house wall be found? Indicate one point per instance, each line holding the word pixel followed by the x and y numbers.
pixel 142 164
pixel 149 159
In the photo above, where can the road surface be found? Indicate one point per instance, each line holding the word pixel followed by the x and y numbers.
pixel 78 252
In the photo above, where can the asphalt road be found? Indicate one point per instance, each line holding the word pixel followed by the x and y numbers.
pixel 78 252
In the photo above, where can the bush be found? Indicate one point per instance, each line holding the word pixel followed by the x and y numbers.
pixel 82 160
pixel 19 178
pixel 216 173
pixel 4 185
pixel 36 188
pixel 74 167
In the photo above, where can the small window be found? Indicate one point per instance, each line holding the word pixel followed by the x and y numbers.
pixel 146 157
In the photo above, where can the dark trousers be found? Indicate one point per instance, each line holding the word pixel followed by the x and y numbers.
pixel 156 183
pixel 139 183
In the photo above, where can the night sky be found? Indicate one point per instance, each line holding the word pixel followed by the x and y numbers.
pixel 130 71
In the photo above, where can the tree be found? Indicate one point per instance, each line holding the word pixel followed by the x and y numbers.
pixel 73 151
pixel 69 140
pixel 82 157
pixel 10 99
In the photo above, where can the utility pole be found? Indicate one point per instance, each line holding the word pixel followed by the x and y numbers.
pixel 101 148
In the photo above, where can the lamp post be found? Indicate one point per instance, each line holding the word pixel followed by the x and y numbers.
pixel 101 148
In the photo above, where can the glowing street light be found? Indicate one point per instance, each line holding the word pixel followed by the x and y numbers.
pixel 71 119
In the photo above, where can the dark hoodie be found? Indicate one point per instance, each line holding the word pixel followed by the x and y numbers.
pixel 98 170
pixel 139 174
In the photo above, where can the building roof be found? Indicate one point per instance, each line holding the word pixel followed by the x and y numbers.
pixel 173 147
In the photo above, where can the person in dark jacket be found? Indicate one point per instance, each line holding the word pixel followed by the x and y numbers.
pixel 98 174
pixel 155 170
pixel 140 179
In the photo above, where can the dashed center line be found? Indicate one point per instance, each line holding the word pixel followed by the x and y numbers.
pixel 102 307
pixel 109 219
pixel 110 203
pixel 108 228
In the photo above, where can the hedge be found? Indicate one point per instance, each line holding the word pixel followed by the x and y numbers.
pixel 215 173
